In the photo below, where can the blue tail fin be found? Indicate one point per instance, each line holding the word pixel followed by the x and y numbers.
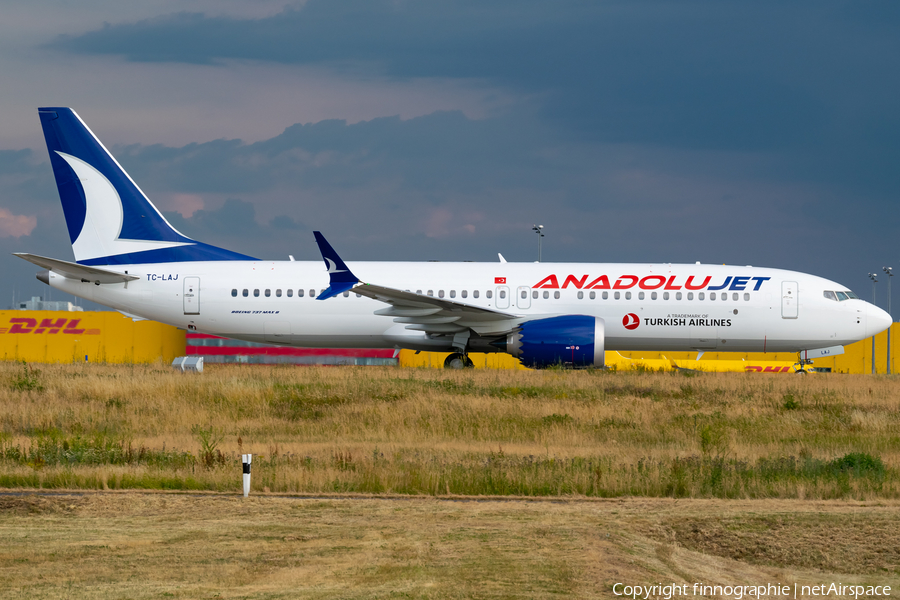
pixel 340 277
pixel 109 218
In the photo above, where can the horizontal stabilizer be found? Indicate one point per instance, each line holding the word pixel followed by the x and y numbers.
pixel 71 270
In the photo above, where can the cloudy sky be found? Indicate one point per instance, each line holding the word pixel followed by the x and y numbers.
pixel 753 132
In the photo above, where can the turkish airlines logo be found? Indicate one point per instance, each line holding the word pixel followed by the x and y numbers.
pixel 630 321
pixel 500 280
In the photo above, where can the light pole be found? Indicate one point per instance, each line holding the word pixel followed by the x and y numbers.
pixel 539 229
pixel 874 278
pixel 889 271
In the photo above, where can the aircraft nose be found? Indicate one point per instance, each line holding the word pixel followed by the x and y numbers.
pixel 877 320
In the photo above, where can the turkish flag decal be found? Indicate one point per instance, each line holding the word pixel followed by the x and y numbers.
pixel 499 279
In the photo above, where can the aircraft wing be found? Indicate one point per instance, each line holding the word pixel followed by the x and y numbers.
pixel 72 270
pixel 437 315
pixel 417 311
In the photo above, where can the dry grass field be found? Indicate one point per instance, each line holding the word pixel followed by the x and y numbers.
pixel 426 432
pixel 104 545
pixel 433 484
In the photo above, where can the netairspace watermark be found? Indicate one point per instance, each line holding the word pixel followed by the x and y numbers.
pixel 738 592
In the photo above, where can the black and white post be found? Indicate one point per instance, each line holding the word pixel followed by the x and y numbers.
pixel 245 460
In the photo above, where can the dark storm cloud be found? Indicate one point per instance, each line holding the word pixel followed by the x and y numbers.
pixel 707 74
pixel 441 151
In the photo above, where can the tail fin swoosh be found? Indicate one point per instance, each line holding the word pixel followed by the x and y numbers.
pixel 110 220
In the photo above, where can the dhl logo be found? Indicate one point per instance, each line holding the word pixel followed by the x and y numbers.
pixel 758 369
pixel 26 325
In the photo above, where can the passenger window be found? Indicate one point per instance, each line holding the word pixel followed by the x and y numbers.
pixel 746 297
pixel 299 293
pixel 256 293
pixel 616 295
pixel 245 293
pixel 678 295
pixel 653 295
pixel 503 293
pixel 488 294
pixel 268 293
pixel 546 295
pixel 346 294
pixel 359 295
pixel 278 293
pixel 453 293
pixel 593 295
pixel 234 293
pixel 419 292
pixel 524 295
pixel 665 295
pixel 290 293
pixel 725 296
pixel 628 295
pixel 641 295
pixel 475 294
pixel 701 296
pixel 464 293
pixel 440 293
pixel 606 295
pixel 534 294
pixel 712 295
pixel 431 292
pixel 312 293
pixel 556 295
pixel 735 296
pixel 581 295
pixel 690 295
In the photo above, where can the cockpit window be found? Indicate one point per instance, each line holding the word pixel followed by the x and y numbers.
pixel 840 296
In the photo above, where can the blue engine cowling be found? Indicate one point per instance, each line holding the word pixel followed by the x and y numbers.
pixel 571 340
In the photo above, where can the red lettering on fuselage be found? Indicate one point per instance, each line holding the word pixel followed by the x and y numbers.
pixel 705 283
pixel 601 283
pixel 549 282
pixel 620 282
pixel 576 282
pixel 658 280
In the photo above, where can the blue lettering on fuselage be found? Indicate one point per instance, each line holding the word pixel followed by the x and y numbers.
pixel 164 277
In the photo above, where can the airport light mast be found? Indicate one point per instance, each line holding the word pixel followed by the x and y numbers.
pixel 874 278
pixel 889 271
pixel 539 229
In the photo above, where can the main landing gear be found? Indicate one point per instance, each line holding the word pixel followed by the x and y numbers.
pixel 458 360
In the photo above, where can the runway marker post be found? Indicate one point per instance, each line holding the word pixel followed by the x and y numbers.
pixel 246 459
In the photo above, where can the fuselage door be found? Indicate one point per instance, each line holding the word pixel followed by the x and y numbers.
pixel 789 300
pixel 523 297
pixel 192 295
pixel 502 300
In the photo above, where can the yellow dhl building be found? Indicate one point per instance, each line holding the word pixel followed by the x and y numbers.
pixel 110 337
pixel 49 336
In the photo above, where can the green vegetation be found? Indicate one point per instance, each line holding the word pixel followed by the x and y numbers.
pixel 389 430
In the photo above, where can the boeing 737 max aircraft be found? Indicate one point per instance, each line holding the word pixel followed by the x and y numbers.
pixel 128 257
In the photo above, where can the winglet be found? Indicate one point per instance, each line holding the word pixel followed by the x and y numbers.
pixel 341 278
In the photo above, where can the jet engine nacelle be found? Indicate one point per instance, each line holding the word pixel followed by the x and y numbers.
pixel 571 340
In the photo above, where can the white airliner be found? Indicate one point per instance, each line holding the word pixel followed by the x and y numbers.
pixel 128 257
